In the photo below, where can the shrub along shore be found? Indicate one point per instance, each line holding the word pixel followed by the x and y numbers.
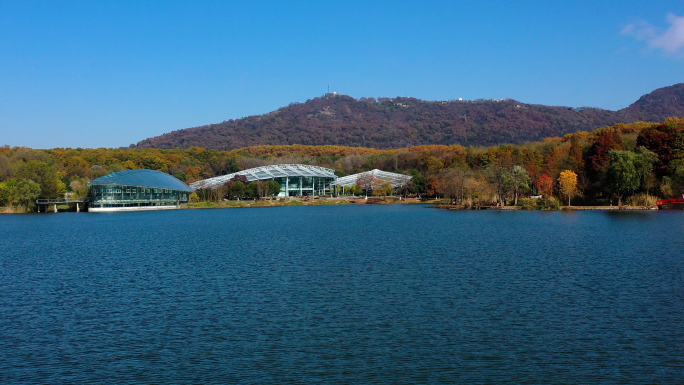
pixel 436 203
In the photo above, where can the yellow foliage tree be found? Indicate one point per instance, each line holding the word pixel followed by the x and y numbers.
pixel 384 189
pixel 567 183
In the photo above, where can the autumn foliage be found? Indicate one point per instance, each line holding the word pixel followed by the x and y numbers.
pixel 470 176
pixel 544 185
pixel 405 122
pixel 567 184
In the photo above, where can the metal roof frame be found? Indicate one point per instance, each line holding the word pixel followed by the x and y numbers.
pixel 141 178
pixel 266 173
pixel 394 179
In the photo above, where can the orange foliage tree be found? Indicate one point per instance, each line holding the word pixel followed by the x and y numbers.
pixel 544 185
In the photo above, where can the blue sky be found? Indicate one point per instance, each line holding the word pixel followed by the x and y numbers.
pixel 111 73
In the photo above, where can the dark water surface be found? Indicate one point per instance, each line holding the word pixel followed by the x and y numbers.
pixel 351 294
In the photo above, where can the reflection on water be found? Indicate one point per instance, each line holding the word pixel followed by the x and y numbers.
pixel 354 294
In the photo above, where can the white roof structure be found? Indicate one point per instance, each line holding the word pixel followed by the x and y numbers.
pixel 267 172
pixel 396 180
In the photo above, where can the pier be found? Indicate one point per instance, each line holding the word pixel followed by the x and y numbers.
pixel 50 205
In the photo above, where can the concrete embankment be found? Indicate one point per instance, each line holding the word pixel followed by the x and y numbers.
pixel 303 202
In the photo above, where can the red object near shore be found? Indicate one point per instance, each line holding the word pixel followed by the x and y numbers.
pixel 674 202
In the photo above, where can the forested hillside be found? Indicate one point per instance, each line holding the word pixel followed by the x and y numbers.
pixel 404 122
pixel 610 164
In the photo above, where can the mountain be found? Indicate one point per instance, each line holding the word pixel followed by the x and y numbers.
pixel 658 105
pixel 384 123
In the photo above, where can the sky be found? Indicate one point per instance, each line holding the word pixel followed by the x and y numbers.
pixel 108 74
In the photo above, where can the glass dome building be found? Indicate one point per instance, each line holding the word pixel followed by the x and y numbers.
pixel 294 179
pixel 374 178
pixel 133 190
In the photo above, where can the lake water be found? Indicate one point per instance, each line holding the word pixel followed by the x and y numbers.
pixel 342 294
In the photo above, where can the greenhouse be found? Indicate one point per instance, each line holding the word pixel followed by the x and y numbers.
pixel 133 190
pixel 372 179
pixel 294 179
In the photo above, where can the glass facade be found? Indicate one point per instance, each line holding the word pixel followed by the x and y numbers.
pixel 137 190
pixel 304 185
pixel 374 177
pixel 110 196
pixel 294 179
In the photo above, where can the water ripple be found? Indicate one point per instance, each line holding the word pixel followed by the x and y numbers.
pixel 355 294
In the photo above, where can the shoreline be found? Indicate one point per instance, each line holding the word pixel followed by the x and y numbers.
pixel 563 208
pixel 438 204
pixel 303 202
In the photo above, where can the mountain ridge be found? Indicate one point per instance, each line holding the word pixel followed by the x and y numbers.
pixel 385 123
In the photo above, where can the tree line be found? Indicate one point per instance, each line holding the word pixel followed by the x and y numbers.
pixel 632 163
